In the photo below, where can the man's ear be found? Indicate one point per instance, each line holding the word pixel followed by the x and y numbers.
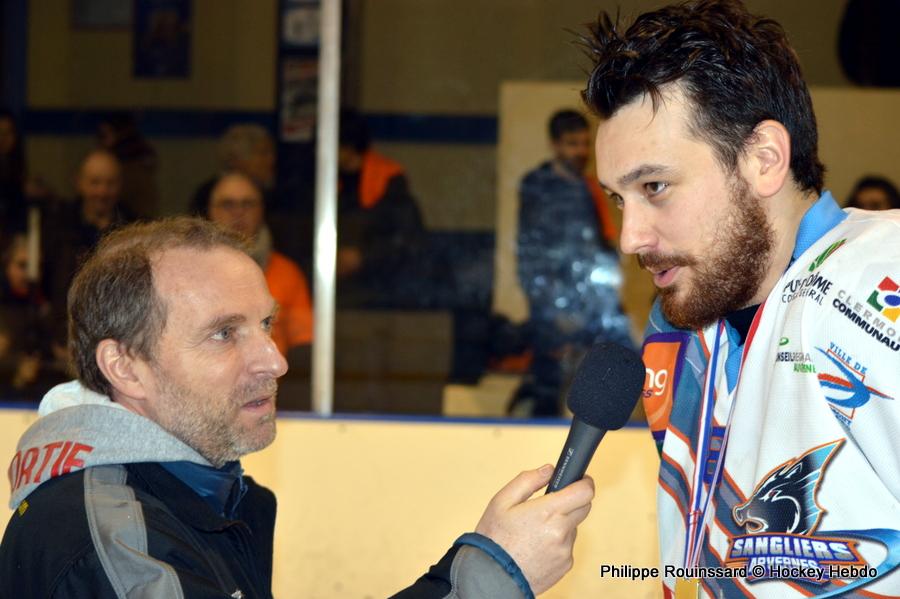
pixel 766 160
pixel 121 369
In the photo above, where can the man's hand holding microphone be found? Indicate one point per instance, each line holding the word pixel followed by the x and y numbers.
pixel 539 532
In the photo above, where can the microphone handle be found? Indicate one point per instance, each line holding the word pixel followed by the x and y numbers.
pixel 576 454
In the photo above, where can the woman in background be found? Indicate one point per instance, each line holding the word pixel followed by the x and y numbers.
pixel 874 193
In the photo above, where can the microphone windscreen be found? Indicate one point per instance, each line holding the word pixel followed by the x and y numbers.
pixel 606 386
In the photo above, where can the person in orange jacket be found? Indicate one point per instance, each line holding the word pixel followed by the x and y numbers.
pixel 380 230
pixel 236 202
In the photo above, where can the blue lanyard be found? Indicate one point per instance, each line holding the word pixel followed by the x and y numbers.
pixel 709 455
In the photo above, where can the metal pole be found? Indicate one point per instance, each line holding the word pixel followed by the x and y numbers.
pixel 326 207
pixel 33 269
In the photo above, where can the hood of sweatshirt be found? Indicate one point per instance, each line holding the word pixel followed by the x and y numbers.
pixel 79 428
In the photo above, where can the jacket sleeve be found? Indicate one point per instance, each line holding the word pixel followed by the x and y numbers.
pixel 473 568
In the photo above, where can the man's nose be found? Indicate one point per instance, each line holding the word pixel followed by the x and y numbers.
pixel 637 229
pixel 264 357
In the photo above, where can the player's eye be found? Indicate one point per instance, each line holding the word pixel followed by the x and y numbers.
pixel 654 188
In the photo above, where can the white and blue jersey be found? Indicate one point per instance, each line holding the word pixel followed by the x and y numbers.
pixel 780 454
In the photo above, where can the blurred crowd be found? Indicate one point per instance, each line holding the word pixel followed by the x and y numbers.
pixel 567 260
pixel 46 233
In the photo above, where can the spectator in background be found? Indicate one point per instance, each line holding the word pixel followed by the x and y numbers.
pixel 12 175
pixel 237 203
pixel 249 149
pixel 874 193
pixel 246 149
pixel 26 365
pixel 74 228
pixel 567 264
pixel 118 133
pixel 380 230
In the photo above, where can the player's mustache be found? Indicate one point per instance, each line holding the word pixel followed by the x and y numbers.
pixel 659 262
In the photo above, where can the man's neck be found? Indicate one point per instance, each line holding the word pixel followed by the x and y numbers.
pixel 741 320
pixel 784 211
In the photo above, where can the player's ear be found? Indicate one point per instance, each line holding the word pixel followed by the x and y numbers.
pixel 766 160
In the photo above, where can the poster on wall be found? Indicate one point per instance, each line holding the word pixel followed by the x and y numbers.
pixel 299 87
pixel 162 38
pixel 300 23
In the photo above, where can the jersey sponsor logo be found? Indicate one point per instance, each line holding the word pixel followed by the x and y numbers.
pixel 844 384
pixel 655 382
pixel 826 254
pixel 660 355
pixel 869 321
pixel 801 361
pixel 813 286
pixel 886 299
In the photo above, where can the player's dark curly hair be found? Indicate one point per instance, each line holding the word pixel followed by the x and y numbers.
pixel 737 69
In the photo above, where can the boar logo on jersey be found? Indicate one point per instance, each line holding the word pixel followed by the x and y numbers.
pixel 785 500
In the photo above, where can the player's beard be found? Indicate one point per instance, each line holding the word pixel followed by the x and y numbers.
pixel 730 273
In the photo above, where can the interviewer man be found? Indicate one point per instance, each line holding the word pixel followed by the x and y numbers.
pixel 130 484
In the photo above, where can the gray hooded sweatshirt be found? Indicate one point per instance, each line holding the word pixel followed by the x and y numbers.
pixel 79 428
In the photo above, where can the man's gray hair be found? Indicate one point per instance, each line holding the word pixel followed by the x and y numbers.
pixel 113 295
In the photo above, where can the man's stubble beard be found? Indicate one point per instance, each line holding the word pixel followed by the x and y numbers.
pixel 729 279
pixel 212 429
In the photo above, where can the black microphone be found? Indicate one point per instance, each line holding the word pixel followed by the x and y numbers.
pixel 603 394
